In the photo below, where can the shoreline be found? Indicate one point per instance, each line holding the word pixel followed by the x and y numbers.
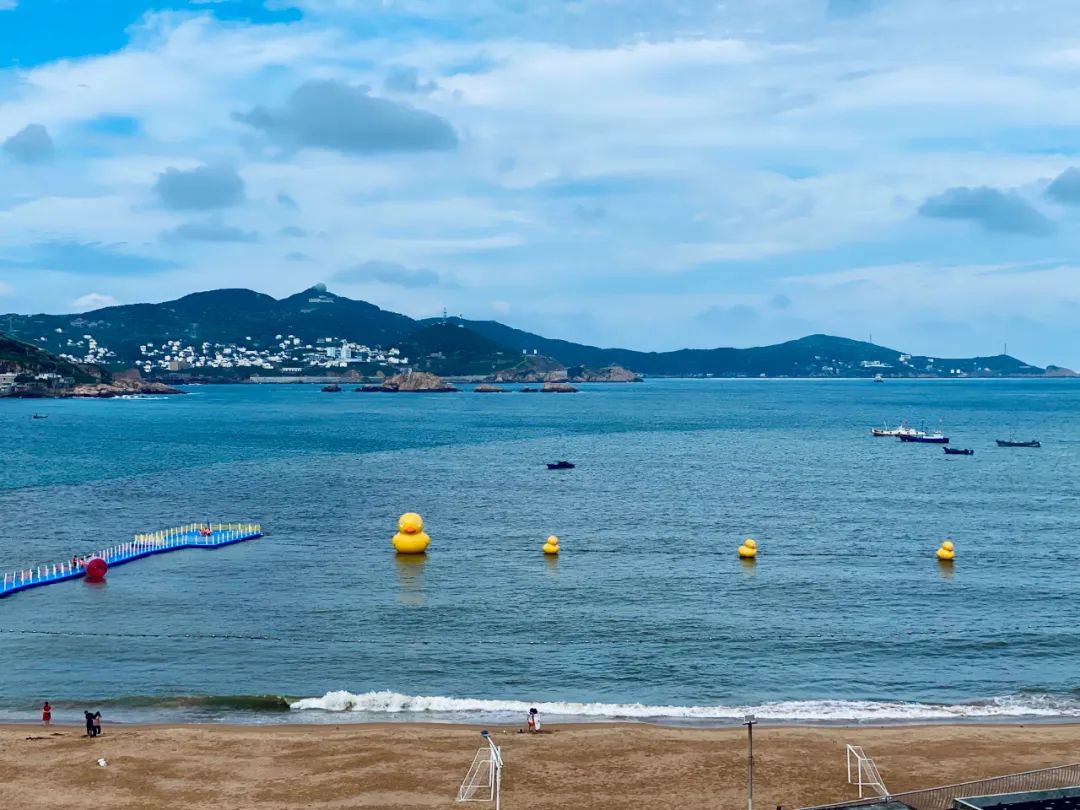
pixel 588 766
pixel 263 721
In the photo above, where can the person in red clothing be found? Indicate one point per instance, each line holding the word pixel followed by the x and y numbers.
pixel 46 714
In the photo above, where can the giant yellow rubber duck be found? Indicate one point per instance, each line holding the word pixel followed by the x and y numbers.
pixel 947 551
pixel 748 550
pixel 411 537
pixel 551 547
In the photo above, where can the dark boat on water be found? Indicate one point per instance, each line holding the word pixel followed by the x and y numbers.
pixel 956 451
pixel 929 438
pixel 39 416
pixel 333 388
pixel 561 465
pixel 1032 443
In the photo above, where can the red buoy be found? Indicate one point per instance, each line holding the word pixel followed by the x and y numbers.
pixel 95 569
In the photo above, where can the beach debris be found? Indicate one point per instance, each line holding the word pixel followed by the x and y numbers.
pixel 101 762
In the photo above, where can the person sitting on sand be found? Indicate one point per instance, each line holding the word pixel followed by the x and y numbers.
pixel 46 714
pixel 97 724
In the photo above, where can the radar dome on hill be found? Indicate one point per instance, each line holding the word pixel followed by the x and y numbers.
pixel 320 287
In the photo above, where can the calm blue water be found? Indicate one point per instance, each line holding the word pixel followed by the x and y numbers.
pixel 646 613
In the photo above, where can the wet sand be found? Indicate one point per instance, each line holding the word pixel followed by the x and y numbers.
pixel 585 767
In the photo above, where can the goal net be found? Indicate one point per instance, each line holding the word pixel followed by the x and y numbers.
pixel 862 771
pixel 482 782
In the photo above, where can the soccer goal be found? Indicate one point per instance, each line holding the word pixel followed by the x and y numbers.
pixel 863 772
pixel 483 782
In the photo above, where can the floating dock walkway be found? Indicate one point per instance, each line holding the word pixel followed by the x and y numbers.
pixel 194 535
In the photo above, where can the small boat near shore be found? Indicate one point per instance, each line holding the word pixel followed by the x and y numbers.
pixel 560 465
pixel 39 416
pixel 956 451
pixel 1004 443
pixel 333 388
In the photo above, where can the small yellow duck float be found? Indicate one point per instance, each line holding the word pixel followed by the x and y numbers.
pixel 551 547
pixel 748 550
pixel 411 537
pixel 947 551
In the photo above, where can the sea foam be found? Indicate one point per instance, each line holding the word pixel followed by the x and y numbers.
pixel 822 711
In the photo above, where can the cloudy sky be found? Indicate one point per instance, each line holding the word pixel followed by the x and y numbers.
pixel 620 172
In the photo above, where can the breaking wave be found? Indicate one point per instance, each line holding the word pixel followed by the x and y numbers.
pixel 812 711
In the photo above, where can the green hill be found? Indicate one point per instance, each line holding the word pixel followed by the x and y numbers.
pixel 456 346
pixel 450 349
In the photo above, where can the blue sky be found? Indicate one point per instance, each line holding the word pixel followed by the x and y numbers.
pixel 637 174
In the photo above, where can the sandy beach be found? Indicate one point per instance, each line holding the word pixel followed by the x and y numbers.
pixel 584 766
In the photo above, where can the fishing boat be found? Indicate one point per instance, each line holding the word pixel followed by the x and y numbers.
pixel 39 416
pixel 1032 443
pixel 937 437
pixel 956 451
pixel 901 430
pixel 560 465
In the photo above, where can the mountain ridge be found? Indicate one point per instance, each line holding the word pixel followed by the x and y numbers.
pixel 317 319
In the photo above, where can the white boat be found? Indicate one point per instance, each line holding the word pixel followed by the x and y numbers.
pixel 901 430
pixel 878 378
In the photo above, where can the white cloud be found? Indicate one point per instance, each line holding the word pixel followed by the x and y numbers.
pixel 93 300
pixel 633 158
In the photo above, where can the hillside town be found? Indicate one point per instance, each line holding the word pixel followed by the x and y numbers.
pixel 289 355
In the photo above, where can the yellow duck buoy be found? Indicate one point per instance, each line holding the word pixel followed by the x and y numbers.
pixel 552 545
pixel 947 552
pixel 748 550
pixel 411 537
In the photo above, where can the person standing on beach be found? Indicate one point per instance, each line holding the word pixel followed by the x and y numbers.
pixel 89 724
pixel 46 714
pixel 97 724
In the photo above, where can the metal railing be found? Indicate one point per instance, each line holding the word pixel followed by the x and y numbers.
pixel 192 535
pixel 941 798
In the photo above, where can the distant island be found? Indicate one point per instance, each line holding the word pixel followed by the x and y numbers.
pixel 237 335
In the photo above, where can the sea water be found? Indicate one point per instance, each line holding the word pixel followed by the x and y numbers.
pixel 646 613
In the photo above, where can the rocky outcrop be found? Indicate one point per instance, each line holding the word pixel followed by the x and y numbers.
pixel 531 368
pixel 1060 371
pixel 419 382
pixel 488 389
pixel 120 388
pixel 558 388
pixel 609 374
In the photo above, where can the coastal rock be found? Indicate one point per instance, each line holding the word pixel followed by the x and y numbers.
pixel 531 368
pixel 1060 371
pixel 488 389
pixel 609 374
pixel 120 388
pixel 558 388
pixel 418 382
